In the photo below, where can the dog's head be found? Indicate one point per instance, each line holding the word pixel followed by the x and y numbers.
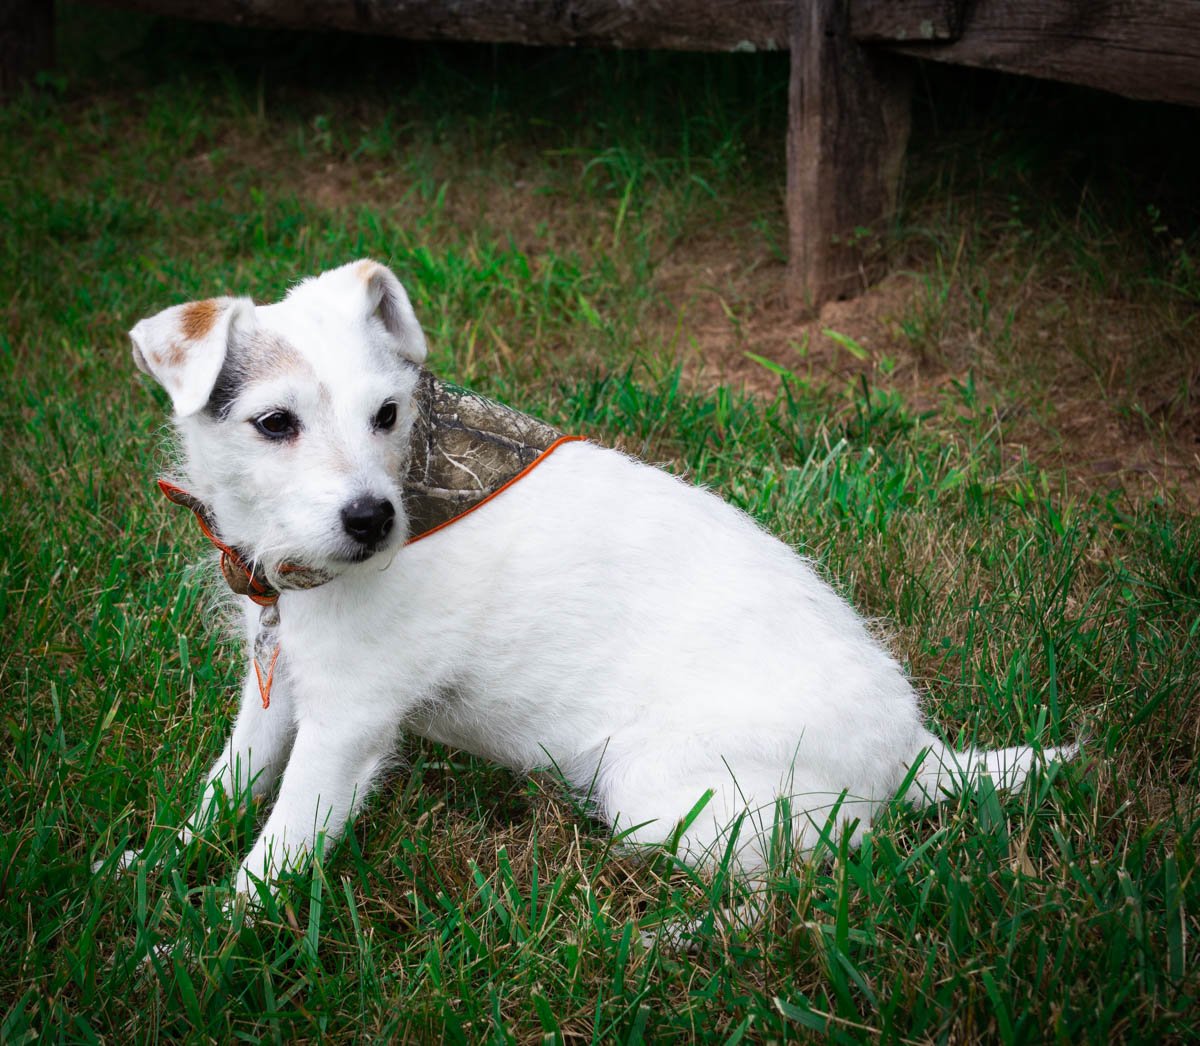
pixel 295 418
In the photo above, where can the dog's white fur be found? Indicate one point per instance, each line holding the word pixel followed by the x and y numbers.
pixel 601 616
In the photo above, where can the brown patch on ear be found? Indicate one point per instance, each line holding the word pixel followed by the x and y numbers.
pixel 365 268
pixel 198 317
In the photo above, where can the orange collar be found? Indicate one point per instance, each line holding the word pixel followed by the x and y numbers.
pixel 239 575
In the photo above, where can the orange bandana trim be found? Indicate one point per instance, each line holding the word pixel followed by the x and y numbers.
pixel 499 490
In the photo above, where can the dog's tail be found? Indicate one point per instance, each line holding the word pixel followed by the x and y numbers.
pixel 942 772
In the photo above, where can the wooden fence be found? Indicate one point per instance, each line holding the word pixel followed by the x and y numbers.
pixel 850 61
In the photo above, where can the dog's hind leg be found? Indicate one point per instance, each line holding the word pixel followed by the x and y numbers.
pixel 752 818
pixel 707 820
pixel 749 825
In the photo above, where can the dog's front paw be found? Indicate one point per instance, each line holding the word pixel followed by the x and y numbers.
pixel 123 863
pixel 240 908
pixel 252 890
pixel 245 887
pixel 271 857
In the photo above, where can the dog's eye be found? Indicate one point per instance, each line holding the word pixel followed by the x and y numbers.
pixel 385 417
pixel 277 424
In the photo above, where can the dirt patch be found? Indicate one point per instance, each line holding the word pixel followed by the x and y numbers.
pixel 1124 427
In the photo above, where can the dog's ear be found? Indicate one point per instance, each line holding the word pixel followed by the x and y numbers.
pixel 183 348
pixel 387 300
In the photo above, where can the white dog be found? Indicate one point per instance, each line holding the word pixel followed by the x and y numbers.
pixel 599 616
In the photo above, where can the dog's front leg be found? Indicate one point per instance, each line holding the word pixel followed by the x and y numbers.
pixel 331 770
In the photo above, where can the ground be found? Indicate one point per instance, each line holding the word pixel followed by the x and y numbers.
pixel 1073 423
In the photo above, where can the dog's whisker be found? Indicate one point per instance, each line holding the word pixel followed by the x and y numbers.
pixel 391 558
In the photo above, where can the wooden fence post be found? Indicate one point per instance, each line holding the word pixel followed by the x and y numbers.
pixel 847 130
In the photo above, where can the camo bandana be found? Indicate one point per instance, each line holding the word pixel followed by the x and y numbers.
pixel 466 450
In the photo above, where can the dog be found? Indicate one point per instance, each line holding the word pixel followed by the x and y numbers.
pixel 685 671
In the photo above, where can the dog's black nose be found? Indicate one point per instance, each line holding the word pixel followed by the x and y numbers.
pixel 368 520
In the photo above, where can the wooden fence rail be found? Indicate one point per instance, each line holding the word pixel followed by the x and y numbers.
pixel 849 90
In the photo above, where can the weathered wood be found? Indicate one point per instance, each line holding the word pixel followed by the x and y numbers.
pixel 26 41
pixel 889 21
pixel 848 128
pixel 849 100
pixel 1139 48
pixel 714 25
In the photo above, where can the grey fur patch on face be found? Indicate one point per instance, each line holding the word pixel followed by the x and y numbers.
pixel 255 357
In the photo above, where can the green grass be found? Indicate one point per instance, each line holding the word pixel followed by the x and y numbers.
pixel 532 202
